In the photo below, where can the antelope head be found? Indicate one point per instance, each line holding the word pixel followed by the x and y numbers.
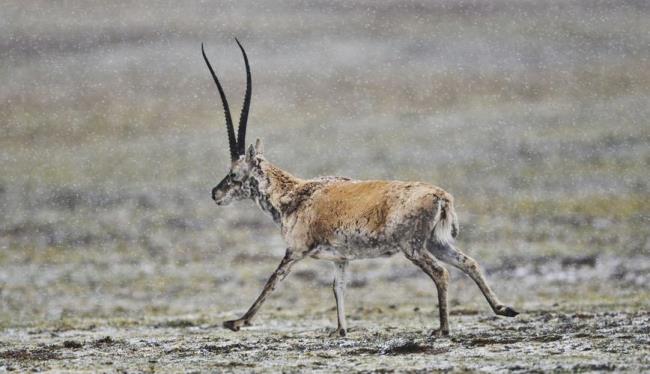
pixel 237 184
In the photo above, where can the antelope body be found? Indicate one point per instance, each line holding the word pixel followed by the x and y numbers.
pixel 340 219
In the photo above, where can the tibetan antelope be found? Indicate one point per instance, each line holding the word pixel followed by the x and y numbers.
pixel 340 219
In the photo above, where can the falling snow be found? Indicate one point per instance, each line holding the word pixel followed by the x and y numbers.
pixel 534 115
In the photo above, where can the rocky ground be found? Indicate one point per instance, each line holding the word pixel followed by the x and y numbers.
pixel 581 314
pixel 380 340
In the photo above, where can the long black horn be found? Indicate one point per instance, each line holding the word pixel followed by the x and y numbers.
pixel 232 143
pixel 243 119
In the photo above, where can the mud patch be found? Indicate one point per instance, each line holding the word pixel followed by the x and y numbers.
pixel 37 354
pixel 177 324
pixel 484 341
pixel 225 348
pixel 106 341
pixel 72 344
pixel 402 347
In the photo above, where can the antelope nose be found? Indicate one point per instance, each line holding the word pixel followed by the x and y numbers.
pixel 214 194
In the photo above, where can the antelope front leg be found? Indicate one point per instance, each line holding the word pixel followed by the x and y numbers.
pixel 279 274
pixel 340 275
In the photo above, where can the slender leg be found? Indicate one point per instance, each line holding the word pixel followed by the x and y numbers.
pixel 453 256
pixel 440 277
pixel 279 274
pixel 340 280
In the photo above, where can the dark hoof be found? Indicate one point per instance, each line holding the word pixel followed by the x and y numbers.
pixel 506 311
pixel 439 333
pixel 338 332
pixel 234 325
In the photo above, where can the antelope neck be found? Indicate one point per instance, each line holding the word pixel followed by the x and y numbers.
pixel 274 192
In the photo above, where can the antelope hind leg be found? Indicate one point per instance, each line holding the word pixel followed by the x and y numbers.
pixel 440 276
pixel 453 256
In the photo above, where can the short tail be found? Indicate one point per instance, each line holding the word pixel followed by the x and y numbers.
pixel 446 227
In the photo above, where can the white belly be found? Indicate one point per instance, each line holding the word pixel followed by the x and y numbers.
pixel 344 253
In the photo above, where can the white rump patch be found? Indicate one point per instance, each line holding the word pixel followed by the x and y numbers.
pixel 442 229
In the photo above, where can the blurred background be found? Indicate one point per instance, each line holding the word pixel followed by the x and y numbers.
pixel 534 115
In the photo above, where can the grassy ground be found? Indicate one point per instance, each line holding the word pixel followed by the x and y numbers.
pixel 534 116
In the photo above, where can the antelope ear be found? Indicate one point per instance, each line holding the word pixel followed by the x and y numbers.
pixel 259 147
pixel 250 153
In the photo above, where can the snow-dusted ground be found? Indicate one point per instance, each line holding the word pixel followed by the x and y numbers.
pixel 534 116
